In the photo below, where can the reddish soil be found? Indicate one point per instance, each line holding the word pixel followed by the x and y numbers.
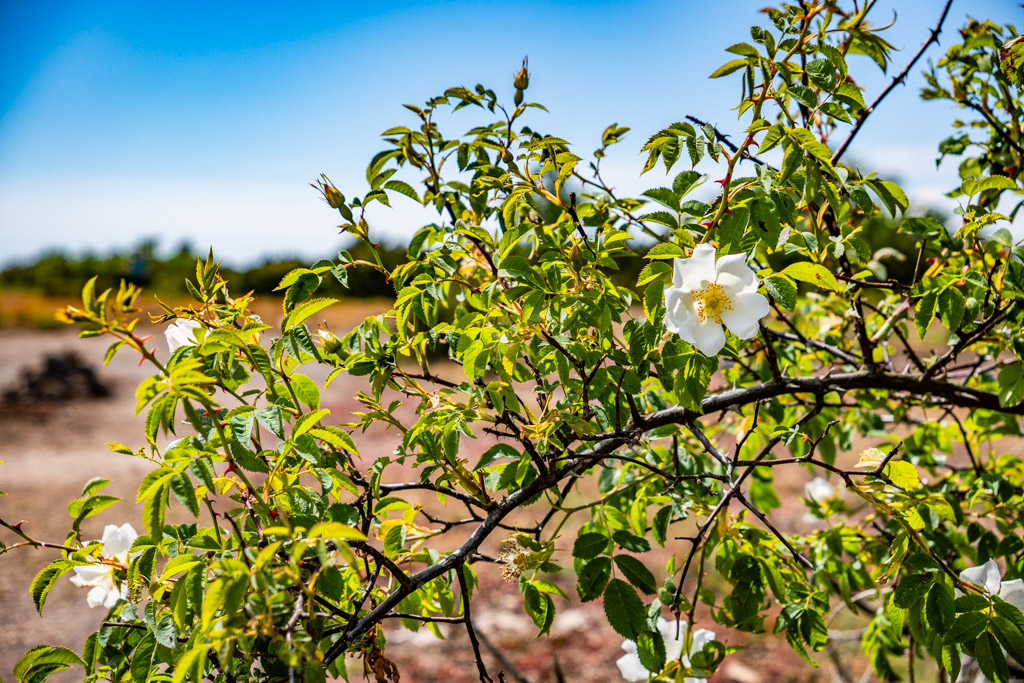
pixel 52 450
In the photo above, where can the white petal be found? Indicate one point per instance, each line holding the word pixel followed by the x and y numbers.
pixel 747 310
pixel 117 541
pixel 96 596
pixel 111 598
pixel 701 637
pixel 1013 593
pixel 93 575
pixel 694 272
pixel 673 643
pixel 629 646
pixel 181 333
pixel 631 668
pixel 986 576
pixel 733 272
pixel 708 337
pixel 819 490
pixel 678 309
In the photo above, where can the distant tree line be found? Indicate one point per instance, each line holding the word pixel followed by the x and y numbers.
pixel 59 274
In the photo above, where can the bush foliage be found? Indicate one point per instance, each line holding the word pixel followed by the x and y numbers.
pixel 510 327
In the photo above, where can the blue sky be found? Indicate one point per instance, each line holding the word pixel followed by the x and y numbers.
pixel 206 121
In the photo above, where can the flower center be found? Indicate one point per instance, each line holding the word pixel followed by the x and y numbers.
pixel 711 302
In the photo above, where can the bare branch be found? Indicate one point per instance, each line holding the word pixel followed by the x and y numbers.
pixel 933 37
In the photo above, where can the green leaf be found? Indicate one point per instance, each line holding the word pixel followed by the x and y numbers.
pixel 153 512
pixel 897 616
pixel 305 310
pixel 246 459
pixel 45 580
pixel 805 96
pixel 950 659
pixel 403 188
pixel 891 194
pixel 822 74
pixel 903 474
pixel 637 574
pixel 971 603
pixel 164 632
pixel 1011 386
pixel 650 647
pixel 990 659
pixel 272 420
pixel 924 312
pixel 593 578
pixel 911 589
pixel 589 545
pixel 624 609
pixel 540 607
pixel 659 527
pixel 1010 637
pixel 43 657
pixel 665 250
pixel 996 182
pixel 306 390
pixel 951 308
pixel 966 627
pixel 686 181
pixel 631 542
pixel 812 273
pixel 142 658
pixel 306 422
pixel 654 302
pixel 938 607
pixel 182 488
pixel 1011 61
pixel 336 437
pixel 652 271
pixel 665 197
pixel 728 68
pixel 782 289
pixel 1010 613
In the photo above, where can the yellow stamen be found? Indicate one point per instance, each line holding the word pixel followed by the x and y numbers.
pixel 711 302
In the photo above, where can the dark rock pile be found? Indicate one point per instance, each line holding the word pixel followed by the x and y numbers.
pixel 63 377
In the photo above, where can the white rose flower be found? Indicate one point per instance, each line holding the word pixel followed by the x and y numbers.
pixel 987 576
pixel 117 541
pixel 706 294
pixel 180 333
pixel 819 490
pixel 629 663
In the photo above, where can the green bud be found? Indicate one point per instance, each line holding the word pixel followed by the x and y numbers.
pixel 522 81
pixel 329 342
pixel 334 198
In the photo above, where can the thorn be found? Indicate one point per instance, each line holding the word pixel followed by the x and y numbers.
pixel 17 527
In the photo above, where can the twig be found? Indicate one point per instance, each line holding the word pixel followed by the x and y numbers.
pixel 933 37
pixel 724 139
pixel 382 560
pixel 460 571
pixel 502 659
pixel 775 532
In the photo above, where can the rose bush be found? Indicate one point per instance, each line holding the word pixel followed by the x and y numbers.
pixel 766 331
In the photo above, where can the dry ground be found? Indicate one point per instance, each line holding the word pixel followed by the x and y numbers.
pixel 51 451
